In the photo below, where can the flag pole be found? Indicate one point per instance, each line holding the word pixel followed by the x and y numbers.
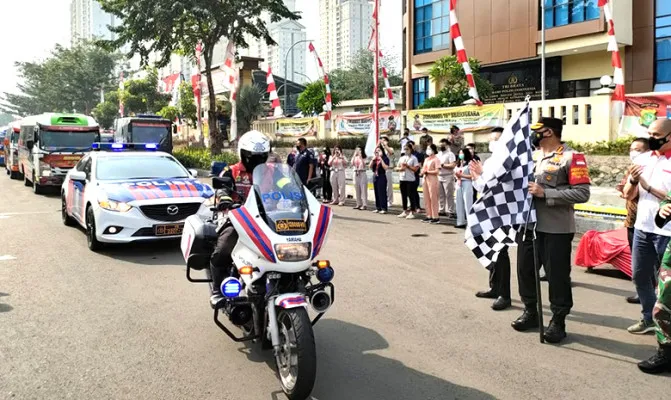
pixel 543 52
pixel 376 104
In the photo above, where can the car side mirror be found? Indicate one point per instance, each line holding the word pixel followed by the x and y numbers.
pixel 30 144
pixel 194 173
pixel 78 176
pixel 224 182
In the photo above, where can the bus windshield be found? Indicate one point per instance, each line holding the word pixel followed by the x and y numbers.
pixel 55 140
pixel 146 132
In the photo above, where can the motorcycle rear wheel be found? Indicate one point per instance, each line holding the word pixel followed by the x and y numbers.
pixel 297 359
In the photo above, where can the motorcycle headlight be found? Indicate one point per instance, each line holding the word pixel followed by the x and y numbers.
pixel 209 202
pixel 293 251
pixel 112 205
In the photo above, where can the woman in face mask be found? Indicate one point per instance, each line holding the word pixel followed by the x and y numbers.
pixel 407 165
pixel 379 165
pixel 464 187
pixel 430 171
pixel 338 163
pixel 360 178
pixel 325 169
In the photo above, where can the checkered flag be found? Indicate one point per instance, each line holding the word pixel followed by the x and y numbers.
pixel 504 206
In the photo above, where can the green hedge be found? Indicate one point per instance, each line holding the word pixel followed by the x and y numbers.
pixel 201 158
pixel 619 147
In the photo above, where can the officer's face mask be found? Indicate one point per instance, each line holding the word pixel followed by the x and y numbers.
pixel 538 136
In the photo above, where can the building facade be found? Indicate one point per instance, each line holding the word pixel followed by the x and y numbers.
pixel 89 21
pixel 505 36
pixel 344 29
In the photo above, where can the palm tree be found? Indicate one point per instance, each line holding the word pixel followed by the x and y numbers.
pixel 249 107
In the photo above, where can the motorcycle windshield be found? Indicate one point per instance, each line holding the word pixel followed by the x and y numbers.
pixel 281 199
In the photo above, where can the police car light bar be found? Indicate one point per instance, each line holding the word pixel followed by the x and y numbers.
pixel 123 146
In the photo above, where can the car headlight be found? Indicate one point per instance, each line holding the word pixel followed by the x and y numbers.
pixel 45 168
pixel 112 205
pixel 293 251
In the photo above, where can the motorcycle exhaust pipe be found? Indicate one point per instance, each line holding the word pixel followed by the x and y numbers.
pixel 240 314
pixel 320 301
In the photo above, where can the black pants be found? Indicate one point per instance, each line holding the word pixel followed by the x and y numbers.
pixel 408 192
pixel 327 190
pixel 221 261
pixel 554 254
pixel 380 186
pixel 414 191
pixel 499 275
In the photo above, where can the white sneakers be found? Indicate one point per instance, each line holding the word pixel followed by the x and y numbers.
pixel 403 214
pixel 410 216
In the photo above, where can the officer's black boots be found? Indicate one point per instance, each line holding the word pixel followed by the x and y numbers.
pixel 556 332
pixel 659 363
pixel 528 320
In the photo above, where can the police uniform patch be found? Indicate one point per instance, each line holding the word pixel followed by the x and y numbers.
pixel 578 172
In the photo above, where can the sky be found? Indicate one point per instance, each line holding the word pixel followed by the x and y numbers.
pixel 32 28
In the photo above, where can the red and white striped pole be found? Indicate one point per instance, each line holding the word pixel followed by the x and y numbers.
pixel 376 103
pixel 455 32
pixel 327 83
pixel 272 90
pixel 618 98
pixel 121 87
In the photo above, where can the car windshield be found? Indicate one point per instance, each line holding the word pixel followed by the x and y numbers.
pixel 55 140
pixel 149 132
pixel 126 168
pixel 281 198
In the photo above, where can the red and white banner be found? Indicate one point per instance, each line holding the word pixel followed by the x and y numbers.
pixel 641 111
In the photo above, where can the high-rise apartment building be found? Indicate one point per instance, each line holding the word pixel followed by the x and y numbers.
pixel 505 36
pixel 345 29
pixel 285 33
pixel 88 21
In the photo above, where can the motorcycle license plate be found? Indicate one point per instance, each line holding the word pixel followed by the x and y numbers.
pixel 168 229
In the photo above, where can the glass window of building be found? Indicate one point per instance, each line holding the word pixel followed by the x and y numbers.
pixel 581 88
pixel 564 12
pixel 663 42
pixel 432 25
pixel 420 91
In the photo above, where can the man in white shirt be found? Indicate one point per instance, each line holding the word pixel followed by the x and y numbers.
pixel 406 138
pixel 448 161
pixel 499 274
pixel 650 179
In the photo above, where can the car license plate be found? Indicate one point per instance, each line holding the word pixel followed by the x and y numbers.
pixel 168 229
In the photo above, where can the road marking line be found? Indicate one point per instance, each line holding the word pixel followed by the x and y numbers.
pixel 9 214
pixel 7 257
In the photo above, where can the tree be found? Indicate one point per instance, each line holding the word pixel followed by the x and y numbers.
pixel 142 96
pixel 187 103
pixel 169 112
pixel 164 27
pixel 70 79
pixel 5 119
pixel 357 81
pixel 249 106
pixel 312 101
pixel 106 112
pixel 449 74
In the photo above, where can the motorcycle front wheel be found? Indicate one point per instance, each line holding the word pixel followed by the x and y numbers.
pixel 297 358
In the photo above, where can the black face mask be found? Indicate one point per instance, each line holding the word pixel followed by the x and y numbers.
pixel 657 143
pixel 536 139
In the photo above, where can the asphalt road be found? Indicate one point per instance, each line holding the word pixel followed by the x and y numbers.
pixel 126 324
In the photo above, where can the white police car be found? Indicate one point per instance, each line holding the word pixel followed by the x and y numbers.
pixel 121 196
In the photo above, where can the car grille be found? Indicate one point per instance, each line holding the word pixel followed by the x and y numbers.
pixel 160 212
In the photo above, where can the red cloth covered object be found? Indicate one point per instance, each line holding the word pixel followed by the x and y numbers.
pixel 610 247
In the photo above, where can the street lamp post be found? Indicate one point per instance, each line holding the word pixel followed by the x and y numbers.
pixel 286 58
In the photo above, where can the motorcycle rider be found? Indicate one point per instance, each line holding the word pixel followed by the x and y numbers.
pixel 253 150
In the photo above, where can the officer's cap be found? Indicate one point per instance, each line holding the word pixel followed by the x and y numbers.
pixel 555 124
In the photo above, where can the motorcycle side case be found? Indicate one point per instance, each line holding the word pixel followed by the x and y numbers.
pixel 198 240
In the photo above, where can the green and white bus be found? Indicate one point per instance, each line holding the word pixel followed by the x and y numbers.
pixel 51 144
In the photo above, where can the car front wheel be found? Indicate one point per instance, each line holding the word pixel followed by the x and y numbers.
pixel 91 239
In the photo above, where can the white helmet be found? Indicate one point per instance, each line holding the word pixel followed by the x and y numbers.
pixel 253 149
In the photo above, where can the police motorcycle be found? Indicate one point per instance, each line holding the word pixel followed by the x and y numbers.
pixel 276 276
